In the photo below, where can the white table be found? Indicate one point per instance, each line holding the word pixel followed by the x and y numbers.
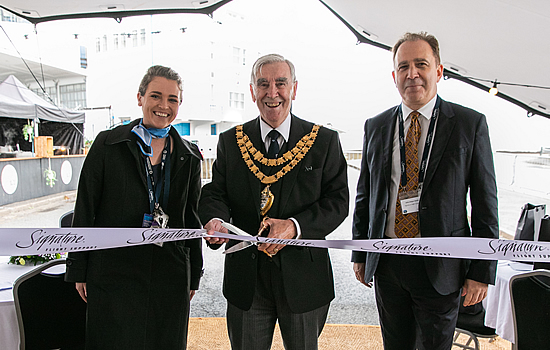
pixel 498 304
pixel 9 329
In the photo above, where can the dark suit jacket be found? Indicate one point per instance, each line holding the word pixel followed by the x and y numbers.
pixel 315 193
pixel 461 159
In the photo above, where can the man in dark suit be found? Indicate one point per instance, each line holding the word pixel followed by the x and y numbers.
pixel 417 186
pixel 298 190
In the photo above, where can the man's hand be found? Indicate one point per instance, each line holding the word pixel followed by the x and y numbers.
pixel 81 288
pixel 191 294
pixel 474 291
pixel 283 229
pixel 212 226
pixel 359 270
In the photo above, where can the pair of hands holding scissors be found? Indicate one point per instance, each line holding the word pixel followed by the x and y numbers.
pixel 282 229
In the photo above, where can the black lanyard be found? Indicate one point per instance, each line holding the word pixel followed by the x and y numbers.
pixel 429 140
pixel 155 189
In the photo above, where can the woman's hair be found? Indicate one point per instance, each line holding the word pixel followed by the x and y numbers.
pixel 163 72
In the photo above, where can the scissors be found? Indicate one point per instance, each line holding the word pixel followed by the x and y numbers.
pixel 244 244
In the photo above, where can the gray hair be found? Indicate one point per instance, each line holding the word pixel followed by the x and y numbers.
pixel 267 59
pixel 163 72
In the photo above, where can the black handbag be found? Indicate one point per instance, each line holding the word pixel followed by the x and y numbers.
pixel 544 236
pixel 529 222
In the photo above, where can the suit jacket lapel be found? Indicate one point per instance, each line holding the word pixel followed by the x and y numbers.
pixel 443 129
pixel 175 163
pixel 297 131
pixel 387 134
pixel 252 129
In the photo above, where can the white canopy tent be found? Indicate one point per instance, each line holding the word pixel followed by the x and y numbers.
pixel 19 105
pixel 486 42
pixel 16 101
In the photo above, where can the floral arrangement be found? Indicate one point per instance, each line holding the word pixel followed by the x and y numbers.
pixel 28 132
pixel 49 174
pixel 33 259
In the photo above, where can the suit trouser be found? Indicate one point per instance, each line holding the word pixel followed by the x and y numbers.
pixel 412 313
pixel 253 329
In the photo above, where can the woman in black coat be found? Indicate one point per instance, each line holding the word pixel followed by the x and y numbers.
pixel 138 297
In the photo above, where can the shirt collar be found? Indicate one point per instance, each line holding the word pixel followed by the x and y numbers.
pixel 425 110
pixel 283 129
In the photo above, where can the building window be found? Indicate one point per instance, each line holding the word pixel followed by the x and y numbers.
pixel 83 57
pixel 49 95
pixel 7 16
pixel 104 46
pixel 134 38
pixel 236 100
pixel 123 37
pixel 184 129
pixel 213 129
pixel 237 58
pixel 143 41
pixel 115 41
pixel 97 44
pixel 73 96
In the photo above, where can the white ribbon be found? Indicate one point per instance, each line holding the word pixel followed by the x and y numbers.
pixel 32 241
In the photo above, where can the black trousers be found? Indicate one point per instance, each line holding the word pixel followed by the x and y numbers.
pixel 253 329
pixel 413 315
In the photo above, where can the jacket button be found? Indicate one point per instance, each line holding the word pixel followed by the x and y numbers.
pixel 68 262
pixel 253 256
pixel 181 158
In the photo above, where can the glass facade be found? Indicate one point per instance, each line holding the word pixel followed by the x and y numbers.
pixel 73 96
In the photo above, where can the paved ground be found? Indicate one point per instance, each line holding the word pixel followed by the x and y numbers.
pixel 354 303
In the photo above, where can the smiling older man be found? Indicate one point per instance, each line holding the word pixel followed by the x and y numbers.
pixel 288 177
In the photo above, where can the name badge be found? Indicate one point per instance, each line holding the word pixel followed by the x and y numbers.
pixel 151 220
pixel 409 201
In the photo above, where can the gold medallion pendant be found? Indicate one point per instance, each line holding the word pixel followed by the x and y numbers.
pixel 266 200
pixel 251 154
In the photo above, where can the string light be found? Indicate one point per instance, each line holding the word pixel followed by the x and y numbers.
pixel 496 82
pixel 494 90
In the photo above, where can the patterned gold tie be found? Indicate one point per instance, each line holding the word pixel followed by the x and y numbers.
pixel 406 225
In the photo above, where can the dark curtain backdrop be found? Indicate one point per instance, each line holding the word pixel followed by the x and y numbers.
pixel 64 134
pixel 11 134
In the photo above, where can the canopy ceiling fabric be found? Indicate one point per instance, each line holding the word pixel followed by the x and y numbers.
pixel 481 41
pixel 17 101
pixel 37 11
pixel 503 40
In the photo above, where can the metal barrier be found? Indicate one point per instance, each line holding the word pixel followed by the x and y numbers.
pixel 206 166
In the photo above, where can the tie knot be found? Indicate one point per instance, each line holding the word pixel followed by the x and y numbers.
pixel 273 149
pixel 414 115
pixel 273 134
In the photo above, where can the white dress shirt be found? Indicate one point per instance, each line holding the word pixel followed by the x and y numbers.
pixel 284 133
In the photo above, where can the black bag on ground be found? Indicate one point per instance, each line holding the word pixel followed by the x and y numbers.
pixel 529 222
pixel 544 236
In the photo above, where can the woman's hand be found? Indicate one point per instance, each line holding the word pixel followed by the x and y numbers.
pixel 81 288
